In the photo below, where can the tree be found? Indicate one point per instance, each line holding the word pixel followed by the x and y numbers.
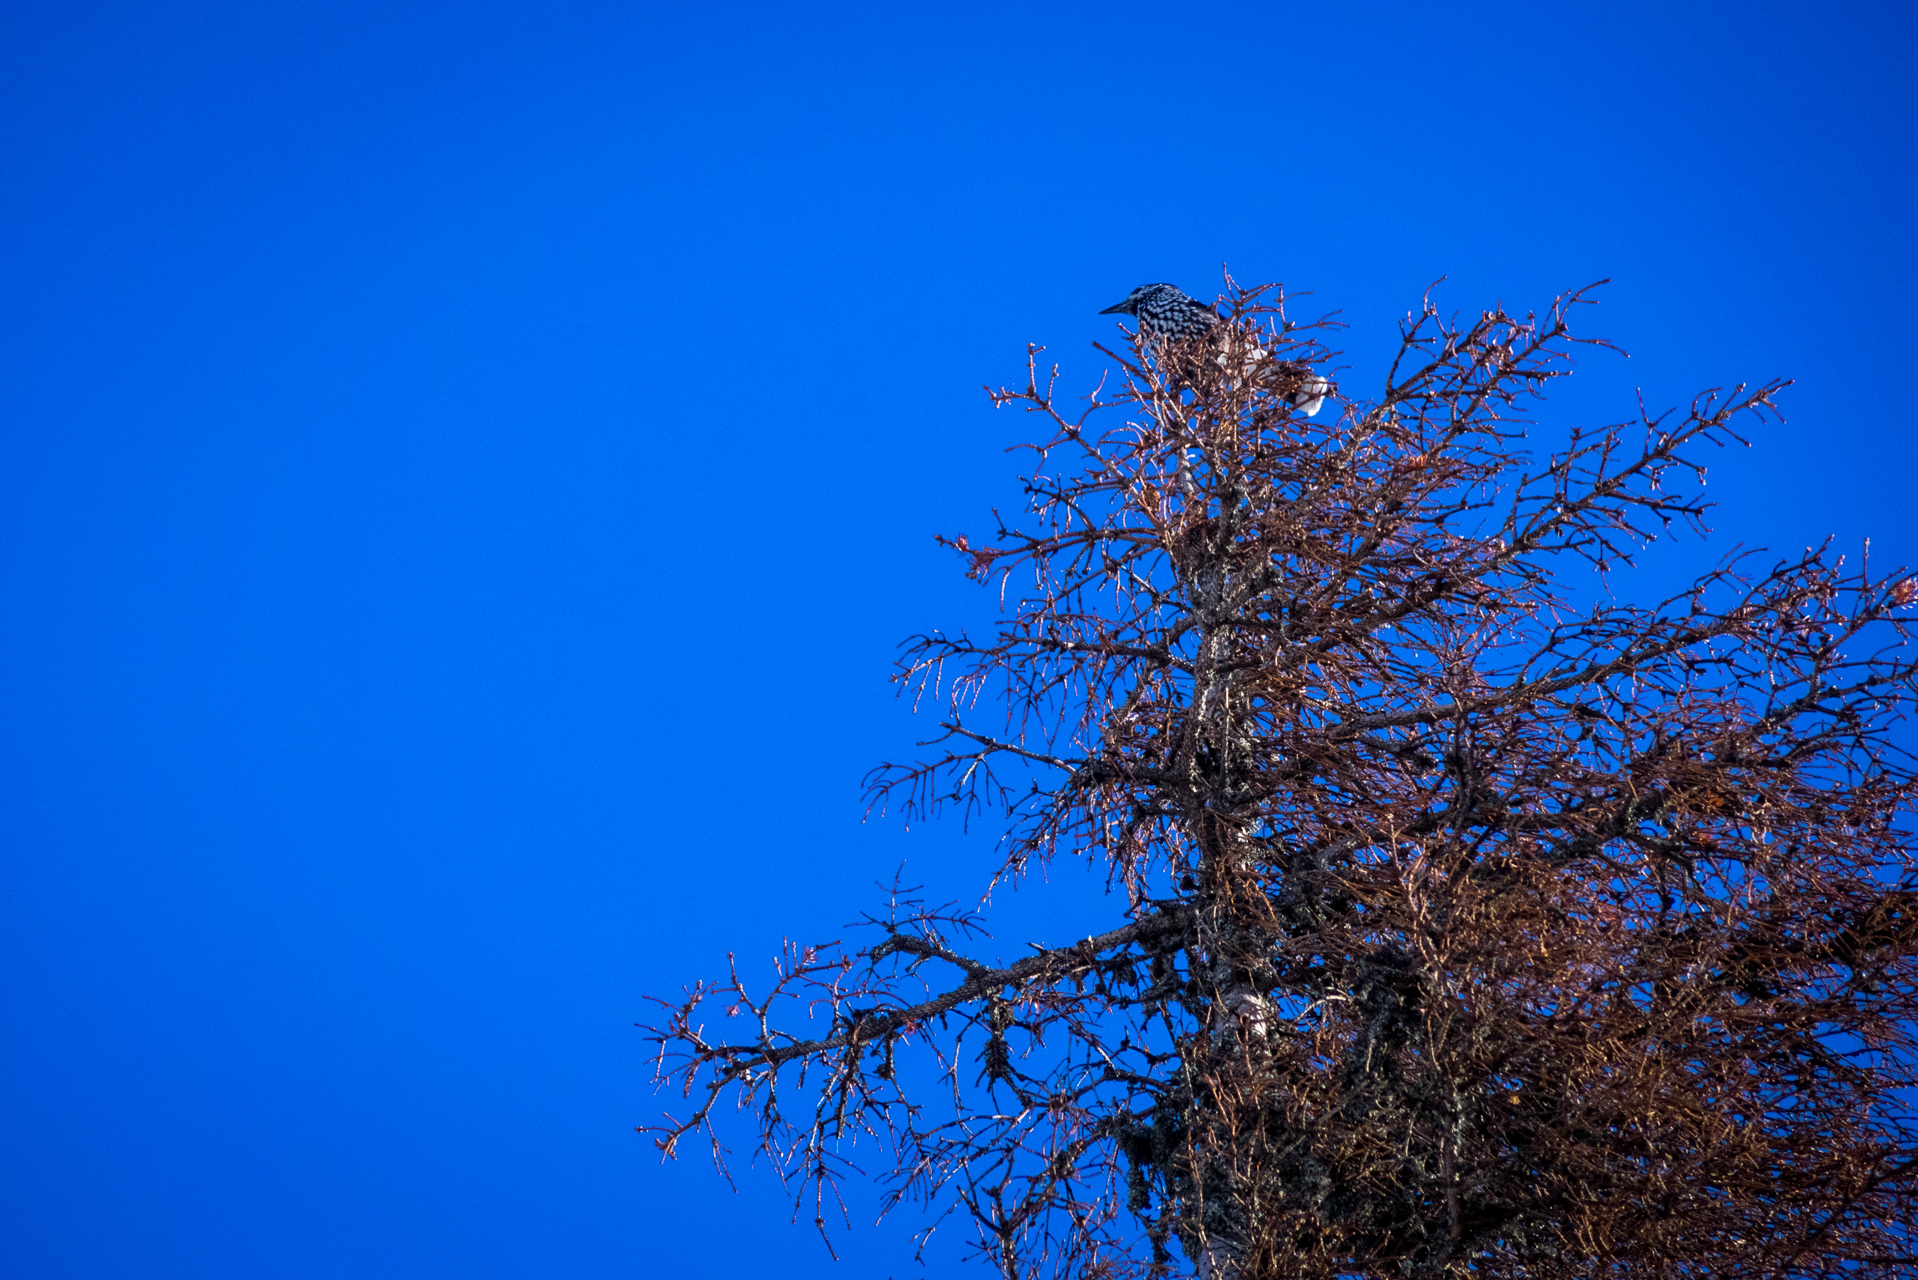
pixel 1468 929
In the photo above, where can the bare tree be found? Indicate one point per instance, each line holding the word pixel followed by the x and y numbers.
pixel 1468 929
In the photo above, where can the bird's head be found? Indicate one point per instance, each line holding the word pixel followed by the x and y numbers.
pixel 1130 307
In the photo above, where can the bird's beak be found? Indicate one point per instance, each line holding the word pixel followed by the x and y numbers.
pixel 1117 308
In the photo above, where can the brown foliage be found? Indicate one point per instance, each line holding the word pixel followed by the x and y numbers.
pixel 1469 929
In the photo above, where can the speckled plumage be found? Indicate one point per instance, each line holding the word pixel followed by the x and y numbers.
pixel 1167 313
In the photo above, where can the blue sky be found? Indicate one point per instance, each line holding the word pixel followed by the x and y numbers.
pixel 464 471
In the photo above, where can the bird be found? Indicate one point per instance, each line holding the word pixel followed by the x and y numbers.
pixel 1167 313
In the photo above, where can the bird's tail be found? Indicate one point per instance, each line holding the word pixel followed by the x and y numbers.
pixel 1310 398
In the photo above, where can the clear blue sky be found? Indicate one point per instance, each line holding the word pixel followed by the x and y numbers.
pixel 466 468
